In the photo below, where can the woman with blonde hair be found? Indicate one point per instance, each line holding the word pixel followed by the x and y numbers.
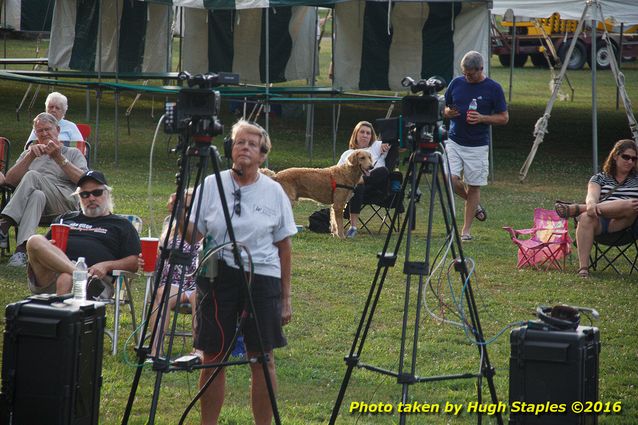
pixel 364 137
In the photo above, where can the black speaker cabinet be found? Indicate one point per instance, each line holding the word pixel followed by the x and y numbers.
pixel 555 366
pixel 52 362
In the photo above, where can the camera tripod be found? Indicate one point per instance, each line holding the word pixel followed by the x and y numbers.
pixel 205 153
pixel 406 374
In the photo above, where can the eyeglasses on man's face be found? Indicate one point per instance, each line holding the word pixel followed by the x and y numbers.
pixel 96 193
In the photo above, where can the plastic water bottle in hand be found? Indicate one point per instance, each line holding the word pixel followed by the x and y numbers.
pixel 80 275
pixel 473 107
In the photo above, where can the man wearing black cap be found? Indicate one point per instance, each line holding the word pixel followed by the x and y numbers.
pixel 107 241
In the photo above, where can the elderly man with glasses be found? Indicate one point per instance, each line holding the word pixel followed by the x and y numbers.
pixel 473 103
pixel 107 241
pixel 44 177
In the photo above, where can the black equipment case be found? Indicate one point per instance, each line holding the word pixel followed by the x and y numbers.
pixel 52 362
pixel 555 366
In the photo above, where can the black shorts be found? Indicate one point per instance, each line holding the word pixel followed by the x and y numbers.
pixel 221 302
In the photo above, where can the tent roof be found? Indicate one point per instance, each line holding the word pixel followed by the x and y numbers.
pixel 253 4
pixel 621 10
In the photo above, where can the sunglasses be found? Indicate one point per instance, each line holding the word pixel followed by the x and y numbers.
pixel 629 157
pixel 237 204
pixel 96 193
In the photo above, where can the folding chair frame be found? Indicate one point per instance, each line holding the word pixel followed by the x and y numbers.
pixel 614 246
pixel 530 249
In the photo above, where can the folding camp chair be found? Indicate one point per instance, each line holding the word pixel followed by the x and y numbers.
pixel 547 243
pixel 5 191
pixel 123 280
pixel 612 248
pixel 381 204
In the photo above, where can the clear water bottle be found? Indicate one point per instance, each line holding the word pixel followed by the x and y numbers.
pixel 80 275
pixel 473 107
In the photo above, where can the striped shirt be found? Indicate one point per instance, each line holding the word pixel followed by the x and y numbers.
pixel 626 190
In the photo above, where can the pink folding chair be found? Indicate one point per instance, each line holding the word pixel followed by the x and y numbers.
pixel 544 246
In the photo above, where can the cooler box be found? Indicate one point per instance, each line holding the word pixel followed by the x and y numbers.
pixel 556 366
pixel 52 362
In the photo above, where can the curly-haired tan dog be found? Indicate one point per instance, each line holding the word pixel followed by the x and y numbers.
pixel 332 185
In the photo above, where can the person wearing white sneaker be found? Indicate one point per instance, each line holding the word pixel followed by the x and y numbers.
pixel 44 177
pixel 107 241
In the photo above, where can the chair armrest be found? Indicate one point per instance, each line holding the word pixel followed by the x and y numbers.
pixel 509 230
pixel 124 273
pixel 515 233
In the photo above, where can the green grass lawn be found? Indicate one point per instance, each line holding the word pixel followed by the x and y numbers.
pixel 331 278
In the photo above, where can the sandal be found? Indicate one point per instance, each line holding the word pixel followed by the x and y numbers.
pixel 565 210
pixel 480 213
pixel 583 272
pixel 466 238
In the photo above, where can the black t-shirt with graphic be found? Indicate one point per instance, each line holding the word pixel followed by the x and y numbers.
pixel 98 239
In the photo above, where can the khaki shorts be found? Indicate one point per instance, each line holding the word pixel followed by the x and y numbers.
pixel 470 162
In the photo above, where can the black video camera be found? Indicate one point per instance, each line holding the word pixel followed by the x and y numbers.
pixel 197 107
pixel 423 114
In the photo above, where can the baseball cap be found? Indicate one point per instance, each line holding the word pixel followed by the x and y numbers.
pixel 92 175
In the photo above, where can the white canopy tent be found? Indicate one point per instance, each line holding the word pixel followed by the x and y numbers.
pixel 620 10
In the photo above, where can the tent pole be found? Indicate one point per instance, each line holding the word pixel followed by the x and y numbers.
pixel 488 64
pixel 310 117
pixel 181 42
pixel 88 104
pixel 98 93
pixel 335 114
pixel 116 94
pixel 267 66
pixel 512 54
pixel 594 103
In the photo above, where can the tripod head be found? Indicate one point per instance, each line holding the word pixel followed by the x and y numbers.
pixel 423 114
pixel 197 107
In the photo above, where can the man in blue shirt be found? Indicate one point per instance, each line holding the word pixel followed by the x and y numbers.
pixel 468 144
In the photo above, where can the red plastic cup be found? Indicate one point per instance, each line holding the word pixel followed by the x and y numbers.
pixel 149 253
pixel 60 234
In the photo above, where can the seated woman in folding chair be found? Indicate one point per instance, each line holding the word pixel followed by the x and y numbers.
pixel 364 136
pixel 189 293
pixel 611 203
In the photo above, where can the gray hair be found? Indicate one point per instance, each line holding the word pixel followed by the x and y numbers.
pixel 45 117
pixel 472 60
pixel 58 98
pixel 252 128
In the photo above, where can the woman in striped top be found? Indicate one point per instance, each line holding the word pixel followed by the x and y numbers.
pixel 611 203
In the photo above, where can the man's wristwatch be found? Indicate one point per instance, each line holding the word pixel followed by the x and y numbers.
pixel 66 161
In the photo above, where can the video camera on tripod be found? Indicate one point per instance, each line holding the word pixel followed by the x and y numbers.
pixel 198 104
pixel 423 115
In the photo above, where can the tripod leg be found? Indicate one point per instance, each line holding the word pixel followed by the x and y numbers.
pixel 487 370
pixel 387 259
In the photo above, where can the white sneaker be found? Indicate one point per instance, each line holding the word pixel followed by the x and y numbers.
pixel 19 259
pixel 352 232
